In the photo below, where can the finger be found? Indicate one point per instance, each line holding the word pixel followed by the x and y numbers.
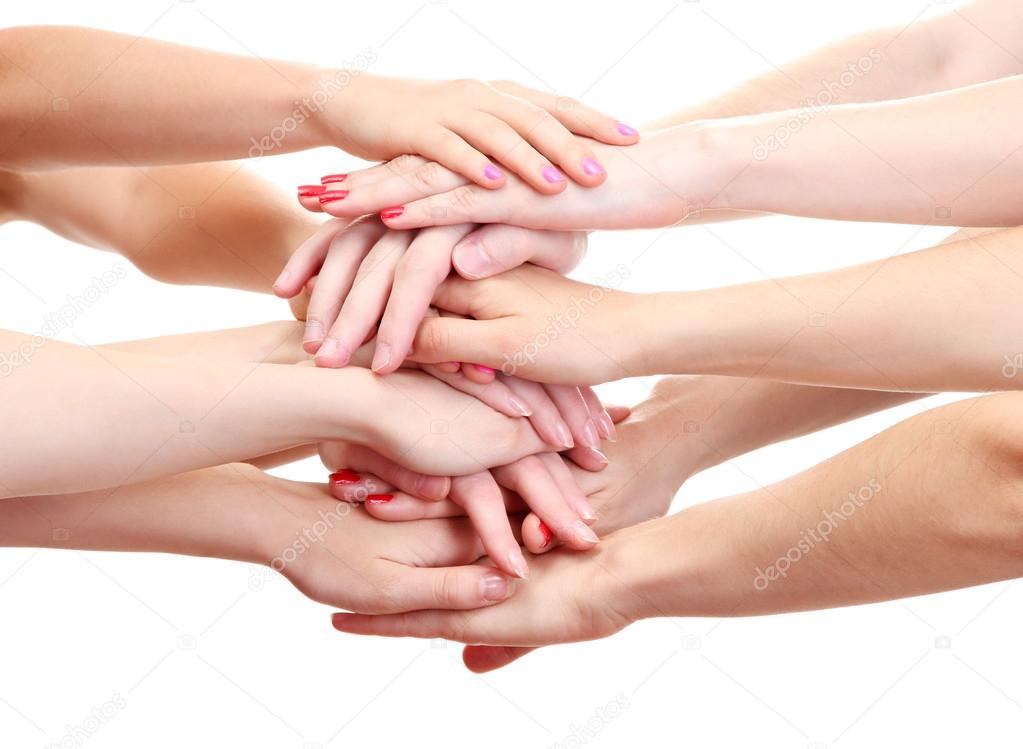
pixel 537 536
pixel 306 260
pixel 495 248
pixel 495 394
pixel 405 507
pixel 468 204
pixel 605 424
pixel 419 272
pixel 349 486
pixel 577 117
pixel 372 193
pixel 396 167
pixel 618 414
pixel 479 373
pixel 483 658
pixel 308 197
pixel 365 302
pixel 417 484
pixel 496 137
pixel 344 255
pixel 484 504
pixel 530 478
pixel 444 624
pixel 299 303
pixel 451 339
pixel 587 458
pixel 451 150
pixel 545 417
pixel 464 587
pixel 569 488
pixel 573 410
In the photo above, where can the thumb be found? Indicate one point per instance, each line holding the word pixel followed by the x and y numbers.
pixel 495 248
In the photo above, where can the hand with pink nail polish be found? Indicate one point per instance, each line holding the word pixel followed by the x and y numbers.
pixel 474 129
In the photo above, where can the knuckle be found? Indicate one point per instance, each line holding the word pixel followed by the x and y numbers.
pixel 434 337
pixel 463 198
pixel 448 589
pixel 402 163
pixel 427 175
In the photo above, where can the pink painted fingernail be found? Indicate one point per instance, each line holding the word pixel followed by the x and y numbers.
pixel 626 129
pixel 492 172
pixel 333 178
pixel 592 167
pixel 329 196
pixel 483 368
pixel 553 175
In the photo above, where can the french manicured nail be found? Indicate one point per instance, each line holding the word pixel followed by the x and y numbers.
pixel 583 532
pixel 590 436
pixel 483 368
pixel 553 175
pixel 379 499
pixel 329 196
pixel 392 212
pixel 592 167
pixel 519 405
pixel 331 179
pixel 473 260
pixel 313 331
pixel 492 172
pixel 545 532
pixel 587 513
pixel 495 587
pixel 345 477
pixel 381 356
pixel 607 426
pixel 626 129
pixel 517 563
pixel 310 191
pixel 564 436
pixel 597 455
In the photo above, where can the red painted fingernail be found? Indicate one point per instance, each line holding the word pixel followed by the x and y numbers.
pixel 546 533
pixel 379 499
pixel 332 178
pixel 392 212
pixel 329 196
pixel 310 191
pixel 483 368
pixel 344 476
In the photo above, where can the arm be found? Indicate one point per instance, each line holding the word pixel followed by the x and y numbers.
pixel 936 320
pixel 915 510
pixel 114 416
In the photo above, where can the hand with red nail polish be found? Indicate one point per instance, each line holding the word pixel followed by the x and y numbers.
pixel 543 138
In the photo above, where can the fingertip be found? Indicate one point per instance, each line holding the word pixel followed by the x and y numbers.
pixel 492 178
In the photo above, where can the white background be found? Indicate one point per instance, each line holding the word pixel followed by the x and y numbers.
pixel 200 659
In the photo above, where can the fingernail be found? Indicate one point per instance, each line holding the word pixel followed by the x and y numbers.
pixel 474 261
pixel 492 172
pixel 327 348
pixel 592 167
pixel 553 174
pixel 587 512
pixel 392 212
pixel 285 275
pixel 313 331
pixel 564 435
pixel 607 426
pixel 598 455
pixel 517 562
pixel 329 196
pixel 333 178
pixel 379 499
pixel 494 587
pixel 381 356
pixel 590 434
pixel 483 368
pixel 519 405
pixel 345 477
pixel 626 129
pixel 583 532
pixel 310 191
pixel 545 531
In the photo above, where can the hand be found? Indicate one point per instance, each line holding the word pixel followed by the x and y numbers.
pixel 367 276
pixel 458 123
pixel 659 182
pixel 533 323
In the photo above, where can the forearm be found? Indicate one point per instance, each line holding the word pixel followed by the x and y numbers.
pixel 895 62
pixel 270 343
pixel 112 417
pixel 211 224
pixel 931 504
pixel 85 96
pixel 941 319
